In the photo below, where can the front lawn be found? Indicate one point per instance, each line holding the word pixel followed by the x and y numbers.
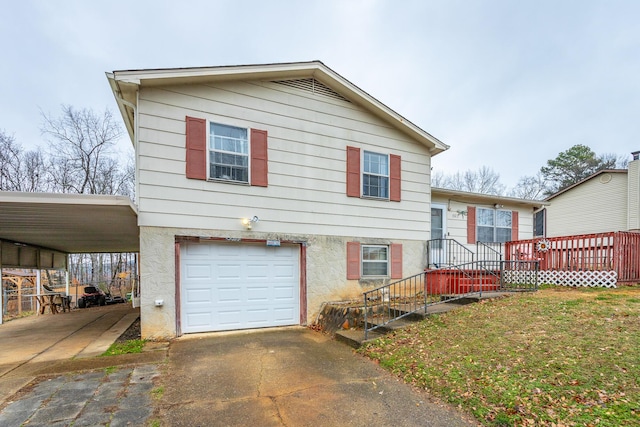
pixel 560 357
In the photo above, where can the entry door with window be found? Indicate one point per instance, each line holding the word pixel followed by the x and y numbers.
pixel 438 254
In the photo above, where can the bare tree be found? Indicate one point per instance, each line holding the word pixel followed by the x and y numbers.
pixel 485 181
pixel 10 160
pixel 438 179
pixel 530 187
pixel 20 170
pixel 81 153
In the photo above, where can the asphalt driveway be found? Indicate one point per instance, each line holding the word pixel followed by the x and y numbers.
pixel 286 377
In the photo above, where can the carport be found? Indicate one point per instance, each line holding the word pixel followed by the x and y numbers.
pixel 40 230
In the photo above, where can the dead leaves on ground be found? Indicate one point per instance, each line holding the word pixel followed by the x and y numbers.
pixel 562 358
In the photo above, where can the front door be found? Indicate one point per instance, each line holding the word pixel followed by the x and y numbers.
pixel 437 253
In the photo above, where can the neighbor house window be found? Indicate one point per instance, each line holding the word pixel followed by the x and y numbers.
pixel 375 175
pixel 228 153
pixel 538 223
pixel 375 260
pixel 494 225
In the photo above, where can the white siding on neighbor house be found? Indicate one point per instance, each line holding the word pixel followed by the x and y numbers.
pixel 307 139
pixel 456 220
pixel 598 205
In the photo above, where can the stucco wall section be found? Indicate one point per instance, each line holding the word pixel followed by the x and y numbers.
pixel 325 261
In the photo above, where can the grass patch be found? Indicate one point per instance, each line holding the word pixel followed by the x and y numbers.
pixel 157 392
pixel 127 347
pixel 559 356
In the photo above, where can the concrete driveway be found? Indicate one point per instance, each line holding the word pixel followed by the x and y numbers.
pixel 38 345
pixel 49 375
pixel 286 377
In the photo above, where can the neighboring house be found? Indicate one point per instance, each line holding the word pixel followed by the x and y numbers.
pixel 606 201
pixel 469 218
pixel 264 191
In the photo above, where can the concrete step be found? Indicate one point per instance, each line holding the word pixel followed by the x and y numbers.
pixel 355 337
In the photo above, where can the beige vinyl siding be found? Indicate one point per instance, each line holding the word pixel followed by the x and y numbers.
pixel 308 136
pixel 456 219
pixel 595 206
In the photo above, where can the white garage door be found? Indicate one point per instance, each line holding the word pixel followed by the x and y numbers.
pixel 228 286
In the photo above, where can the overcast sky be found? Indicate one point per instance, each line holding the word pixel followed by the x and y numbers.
pixel 507 83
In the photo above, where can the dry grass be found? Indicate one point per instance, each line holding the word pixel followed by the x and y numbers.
pixel 558 357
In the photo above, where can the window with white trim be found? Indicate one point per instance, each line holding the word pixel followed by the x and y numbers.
pixel 375 260
pixel 228 153
pixel 493 226
pixel 375 175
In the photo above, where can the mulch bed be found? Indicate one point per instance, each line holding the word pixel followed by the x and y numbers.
pixel 132 333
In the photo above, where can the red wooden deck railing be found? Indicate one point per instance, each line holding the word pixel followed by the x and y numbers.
pixel 615 251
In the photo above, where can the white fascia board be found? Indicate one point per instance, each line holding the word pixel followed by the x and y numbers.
pixel 66 199
pixel 469 197
pixel 117 94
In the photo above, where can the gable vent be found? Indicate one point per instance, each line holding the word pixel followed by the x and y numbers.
pixel 313 86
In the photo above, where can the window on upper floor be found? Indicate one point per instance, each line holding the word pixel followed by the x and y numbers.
pixel 225 153
pixel 494 225
pixel 375 175
pixel 228 153
pixel 375 260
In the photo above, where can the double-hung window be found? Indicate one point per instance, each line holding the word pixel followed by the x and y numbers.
pixel 494 226
pixel 375 260
pixel 375 175
pixel 228 153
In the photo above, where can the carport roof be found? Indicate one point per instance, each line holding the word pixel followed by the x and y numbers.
pixel 71 223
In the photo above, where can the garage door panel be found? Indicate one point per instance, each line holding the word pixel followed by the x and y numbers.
pixel 229 319
pixel 194 251
pixel 199 319
pixel 284 293
pixel 228 271
pixel 283 315
pixel 258 271
pixel 229 295
pixel 194 271
pixel 239 285
pixel 198 296
pixel 258 294
pixel 284 271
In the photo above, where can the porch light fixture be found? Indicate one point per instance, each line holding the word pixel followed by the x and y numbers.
pixel 498 206
pixel 248 222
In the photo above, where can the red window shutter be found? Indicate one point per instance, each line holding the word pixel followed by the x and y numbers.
pixel 353 260
pixel 471 224
pixel 196 144
pixel 396 261
pixel 514 225
pixel 353 172
pixel 259 158
pixel 395 179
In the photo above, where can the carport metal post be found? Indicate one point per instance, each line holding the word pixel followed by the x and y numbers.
pixel 38 291
pixel 66 277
